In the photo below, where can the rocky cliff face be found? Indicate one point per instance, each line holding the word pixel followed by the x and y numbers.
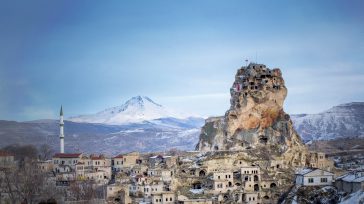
pixel 256 117
pixel 342 121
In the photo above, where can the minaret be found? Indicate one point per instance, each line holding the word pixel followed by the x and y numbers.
pixel 61 134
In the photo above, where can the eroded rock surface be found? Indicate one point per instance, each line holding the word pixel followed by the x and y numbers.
pixel 256 117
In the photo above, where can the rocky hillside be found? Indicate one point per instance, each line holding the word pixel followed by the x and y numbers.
pixel 256 117
pixel 342 121
pixel 155 135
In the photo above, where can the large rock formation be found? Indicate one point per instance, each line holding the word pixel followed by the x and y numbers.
pixel 256 118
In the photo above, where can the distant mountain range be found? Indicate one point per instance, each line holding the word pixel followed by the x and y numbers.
pixel 156 128
pixel 139 124
pixel 156 135
pixel 342 121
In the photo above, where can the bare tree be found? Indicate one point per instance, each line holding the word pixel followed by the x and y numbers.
pixel 82 191
pixel 27 184
pixel 23 153
pixel 45 152
pixel 7 185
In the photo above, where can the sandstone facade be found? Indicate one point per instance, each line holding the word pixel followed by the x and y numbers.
pixel 256 118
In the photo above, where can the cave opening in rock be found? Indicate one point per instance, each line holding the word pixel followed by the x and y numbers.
pixel 233 116
pixel 263 139
pixel 273 185
pixel 197 185
pixel 202 173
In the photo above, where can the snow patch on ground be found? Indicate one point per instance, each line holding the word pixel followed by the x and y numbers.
pixel 357 197
pixel 196 191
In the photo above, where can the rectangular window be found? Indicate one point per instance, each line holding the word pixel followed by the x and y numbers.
pixel 323 180
pixel 310 180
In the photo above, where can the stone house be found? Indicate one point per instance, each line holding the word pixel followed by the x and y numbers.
pixel 134 188
pixel 276 164
pixel 160 160
pixel 251 177
pixel 140 179
pixel 45 166
pixel 314 177
pixel 163 198
pixel 125 161
pixel 66 176
pixel 6 159
pixel 97 176
pixel 64 162
pixel 350 182
pixel 222 182
pixel 62 168
pixel 82 167
pixel 154 172
pixel 251 198
pixel 117 193
pixel 166 175
pixel 113 190
pixel 138 170
pixel 101 163
pixel 153 188
pixel 318 160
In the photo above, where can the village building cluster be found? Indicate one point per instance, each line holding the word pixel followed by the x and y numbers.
pixel 197 177
pixel 191 177
pixel 254 78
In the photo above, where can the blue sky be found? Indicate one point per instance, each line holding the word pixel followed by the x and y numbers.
pixel 89 55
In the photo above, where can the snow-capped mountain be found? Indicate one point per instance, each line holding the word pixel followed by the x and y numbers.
pixel 139 124
pixel 345 120
pixel 135 110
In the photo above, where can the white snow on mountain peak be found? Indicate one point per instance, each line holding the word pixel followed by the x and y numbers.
pixel 345 120
pixel 135 110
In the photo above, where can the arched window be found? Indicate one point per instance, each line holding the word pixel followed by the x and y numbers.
pixel 202 173
pixel 256 187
